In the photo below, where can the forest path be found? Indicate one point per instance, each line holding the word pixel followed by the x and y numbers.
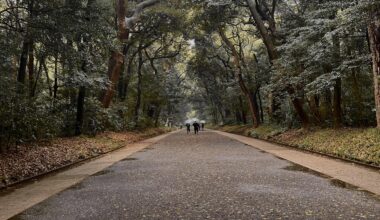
pixel 205 176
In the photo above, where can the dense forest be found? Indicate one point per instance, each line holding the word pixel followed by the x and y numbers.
pixel 72 67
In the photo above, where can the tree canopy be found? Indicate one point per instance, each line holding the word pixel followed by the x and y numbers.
pixel 84 66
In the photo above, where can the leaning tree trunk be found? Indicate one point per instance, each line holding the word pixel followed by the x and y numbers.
pixel 267 38
pixel 256 107
pixel 374 37
pixel 239 77
pixel 253 108
pixel 298 106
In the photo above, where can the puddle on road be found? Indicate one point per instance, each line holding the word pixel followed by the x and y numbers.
pixel 129 158
pixel 146 149
pixel 299 168
pixel 344 185
pixel 341 184
pixel 77 186
pixel 103 172
pixel 280 158
pixel 17 217
pixel 332 181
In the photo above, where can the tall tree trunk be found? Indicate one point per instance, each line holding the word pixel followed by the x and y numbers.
pixel 139 88
pixel 82 89
pixel 117 58
pixel 261 106
pixel 374 37
pixel 269 42
pixel 157 117
pixel 23 62
pixel 128 76
pixel 46 70
pixel 39 70
pixel 31 68
pixel 325 107
pixel 238 116
pixel 26 46
pixel 55 87
pixel 243 114
pixel 358 96
pixel 314 108
pixel 337 103
pixel 121 83
pixel 14 66
pixel 222 117
pixel 251 101
pixel 298 106
pixel 80 110
pixel 256 106
pixel 114 68
pixel 273 106
pixel 337 97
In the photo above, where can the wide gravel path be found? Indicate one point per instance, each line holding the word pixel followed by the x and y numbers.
pixel 206 176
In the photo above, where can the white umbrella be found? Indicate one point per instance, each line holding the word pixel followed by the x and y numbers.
pixel 195 120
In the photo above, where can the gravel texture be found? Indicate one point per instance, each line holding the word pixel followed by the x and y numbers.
pixel 206 176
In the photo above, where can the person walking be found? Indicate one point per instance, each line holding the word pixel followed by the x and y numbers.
pixel 196 127
pixel 188 127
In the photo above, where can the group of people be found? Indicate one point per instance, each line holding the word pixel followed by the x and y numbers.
pixel 197 127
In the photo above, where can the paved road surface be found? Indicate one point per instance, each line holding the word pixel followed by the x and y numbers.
pixel 208 176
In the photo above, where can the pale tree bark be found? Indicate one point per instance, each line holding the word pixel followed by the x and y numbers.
pixel 238 74
pixel 118 57
pixel 139 89
pixel 374 37
pixel 129 22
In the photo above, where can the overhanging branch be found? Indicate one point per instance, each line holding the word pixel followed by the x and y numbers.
pixel 129 22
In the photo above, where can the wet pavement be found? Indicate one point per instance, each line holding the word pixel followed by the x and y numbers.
pixel 206 176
